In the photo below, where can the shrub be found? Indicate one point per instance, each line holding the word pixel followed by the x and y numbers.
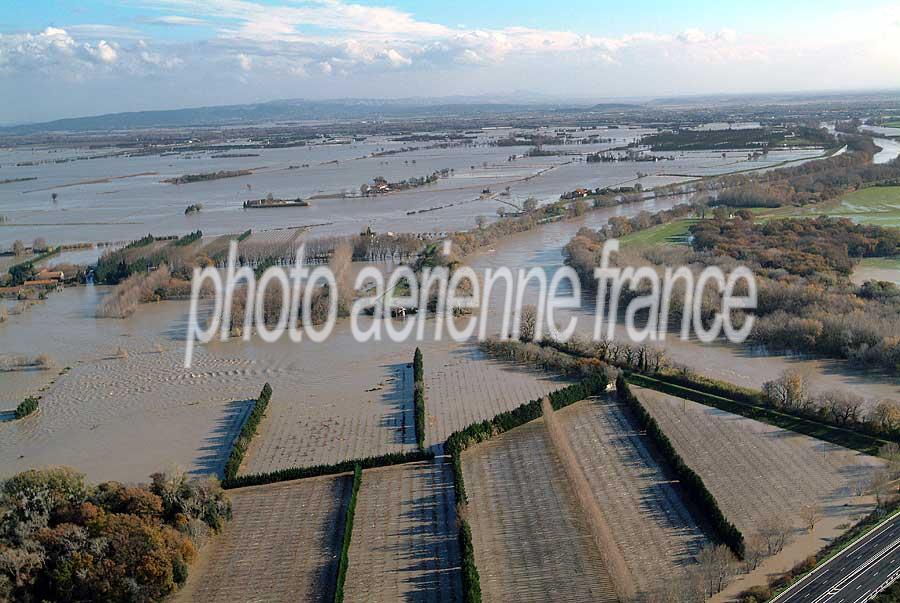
pixel 344 561
pixel 26 407
pixel 689 479
pixel 247 432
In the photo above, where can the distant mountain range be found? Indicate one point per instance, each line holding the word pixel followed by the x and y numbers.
pixel 311 110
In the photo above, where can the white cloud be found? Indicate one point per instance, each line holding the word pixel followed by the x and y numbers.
pixel 173 20
pixel 245 62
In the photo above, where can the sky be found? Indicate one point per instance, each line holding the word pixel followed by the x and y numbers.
pixel 86 57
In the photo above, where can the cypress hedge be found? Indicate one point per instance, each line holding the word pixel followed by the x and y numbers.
pixel 344 561
pixel 419 397
pixel 696 490
pixel 247 432
pixel 26 407
pixel 471 581
pixel 292 473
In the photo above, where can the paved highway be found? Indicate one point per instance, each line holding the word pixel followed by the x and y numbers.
pixel 857 574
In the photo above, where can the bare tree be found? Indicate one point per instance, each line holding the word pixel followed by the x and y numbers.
pixel 528 324
pixel 755 550
pixel 880 486
pixel 39 244
pixel 480 221
pixel 811 514
pixel 775 530
pixel 716 565
pixel 18 247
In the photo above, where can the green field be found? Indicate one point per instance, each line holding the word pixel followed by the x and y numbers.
pixel 892 124
pixel 673 233
pixel 882 263
pixel 878 205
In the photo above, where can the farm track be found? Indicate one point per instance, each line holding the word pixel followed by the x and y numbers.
pixel 531 542
pixel 405 545
pixel 281 545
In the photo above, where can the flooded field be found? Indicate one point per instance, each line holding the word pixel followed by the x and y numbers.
pixel 122 198
pixel 646 511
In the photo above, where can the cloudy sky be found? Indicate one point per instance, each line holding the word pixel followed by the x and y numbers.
pixel 67 58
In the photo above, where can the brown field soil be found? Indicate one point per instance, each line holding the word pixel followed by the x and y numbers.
pixel 463 386
pixel 646 511
pixel 405 545
pixel 757 471
pixel 531 541
pixel 282 545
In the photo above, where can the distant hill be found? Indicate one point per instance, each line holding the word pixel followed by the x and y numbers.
pixel 305 110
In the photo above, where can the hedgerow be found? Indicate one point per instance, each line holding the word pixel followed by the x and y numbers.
pixel 689 479
pixel 419 397
pixel 344 561
pixel 292 473
pixel 247 432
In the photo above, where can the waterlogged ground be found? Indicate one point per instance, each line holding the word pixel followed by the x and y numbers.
pixel 120 417
pixel 122 198
pixel 405 538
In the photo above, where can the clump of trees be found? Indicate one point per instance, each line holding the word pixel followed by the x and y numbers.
pixel 138 288
pixel 26 407
pixel 194 208
pixel 810 247
pixel 63 539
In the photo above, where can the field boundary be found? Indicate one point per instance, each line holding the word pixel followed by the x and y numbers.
pixel 344 562
pixel 248 430
pixel 419 397
pixel 295 473
pixel 693 484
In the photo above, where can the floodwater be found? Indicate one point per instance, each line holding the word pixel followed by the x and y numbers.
pixel 126 407
pixel 116 199
pixel 890 149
